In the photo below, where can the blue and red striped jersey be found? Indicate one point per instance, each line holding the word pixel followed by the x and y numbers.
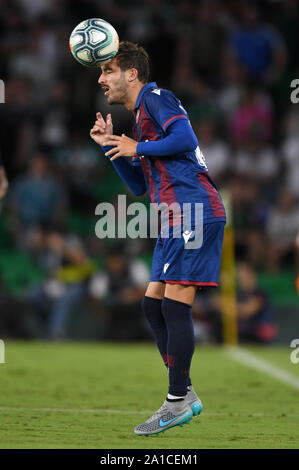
pixel 179 178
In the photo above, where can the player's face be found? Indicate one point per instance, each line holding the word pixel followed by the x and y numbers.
pixel 113 82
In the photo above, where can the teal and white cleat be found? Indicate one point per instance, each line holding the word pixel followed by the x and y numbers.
pixel 168 416
pixel 194 401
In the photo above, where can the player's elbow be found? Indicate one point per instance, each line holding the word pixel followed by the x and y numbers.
pixel 191 144
pixel 186 140
pixel 138 190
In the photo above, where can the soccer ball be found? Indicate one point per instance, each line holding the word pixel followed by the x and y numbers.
pixel 94 42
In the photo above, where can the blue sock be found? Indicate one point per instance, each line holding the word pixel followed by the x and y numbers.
pixel 180 344
pixel 152 310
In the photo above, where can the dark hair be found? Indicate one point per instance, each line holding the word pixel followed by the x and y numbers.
pixel 131 56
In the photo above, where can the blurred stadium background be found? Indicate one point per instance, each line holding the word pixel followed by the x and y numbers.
pixel 231 63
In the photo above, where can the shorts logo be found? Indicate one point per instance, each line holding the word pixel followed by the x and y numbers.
pixel 187 234
pixel 165 267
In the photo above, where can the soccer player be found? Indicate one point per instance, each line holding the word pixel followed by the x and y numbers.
pixel 167 162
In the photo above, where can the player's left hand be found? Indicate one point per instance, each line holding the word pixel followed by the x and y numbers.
pixel 123 146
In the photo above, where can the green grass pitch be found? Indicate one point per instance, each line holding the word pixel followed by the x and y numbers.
pixel 87 395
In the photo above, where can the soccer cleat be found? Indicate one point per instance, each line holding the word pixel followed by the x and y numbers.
pixel 194 401
pixel 168 416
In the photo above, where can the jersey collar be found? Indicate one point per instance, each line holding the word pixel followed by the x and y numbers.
pixel 143 90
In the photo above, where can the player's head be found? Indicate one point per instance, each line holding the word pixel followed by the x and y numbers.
pixel 129 68
pixel 132 56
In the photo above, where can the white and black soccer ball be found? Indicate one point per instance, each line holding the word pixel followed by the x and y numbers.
pixel 94 42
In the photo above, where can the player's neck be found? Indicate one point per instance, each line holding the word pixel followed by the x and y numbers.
pixel 133 95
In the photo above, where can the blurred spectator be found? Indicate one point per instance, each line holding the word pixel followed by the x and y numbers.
pixel 56 117
pixel 282 228
pixel 230 94
pixel 257 45
pixel 30 63
pixel 253 117
pixel 3 179
pixel 67 268
pixel 34 8
pixel 257 161
pixel 286 19
pixel 255 315
pixel 208 36
pixel 36 197
pixel 119 290
pixel 215 150
pixel 249 218
pixel 81 165
pixel 207 318
pixel 255 322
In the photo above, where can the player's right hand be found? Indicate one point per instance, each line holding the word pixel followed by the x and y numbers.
pixel 101 129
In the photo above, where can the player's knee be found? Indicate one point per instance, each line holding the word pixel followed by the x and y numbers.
pixel 155 290
pixel 180 292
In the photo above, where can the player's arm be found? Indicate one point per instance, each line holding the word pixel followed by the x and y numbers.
pixel 167 112
pixel 3 180
pixel 180 139
pixel 132 175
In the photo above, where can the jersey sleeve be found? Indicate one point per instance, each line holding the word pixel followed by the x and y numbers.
pixel 164 107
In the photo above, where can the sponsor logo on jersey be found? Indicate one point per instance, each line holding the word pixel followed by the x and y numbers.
pixel 187 234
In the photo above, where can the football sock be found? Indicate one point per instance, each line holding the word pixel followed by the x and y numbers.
pixel 174 398
pixel 180 344
pixel 152 310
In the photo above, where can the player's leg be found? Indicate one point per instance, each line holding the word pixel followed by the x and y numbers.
pixel 151 303
pixel 180 292
pixel 151 306
pixel 155 290
pixel 187 269
pixel 176 308
pixel 170 414
pixel 179 348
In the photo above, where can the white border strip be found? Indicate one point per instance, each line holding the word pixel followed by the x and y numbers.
pixel 249 359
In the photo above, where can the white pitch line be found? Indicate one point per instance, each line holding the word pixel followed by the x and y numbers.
pixel 101 411
pixel 249 359
pixel 72 410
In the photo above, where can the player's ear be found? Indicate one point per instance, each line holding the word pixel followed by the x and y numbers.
pixel 132 74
